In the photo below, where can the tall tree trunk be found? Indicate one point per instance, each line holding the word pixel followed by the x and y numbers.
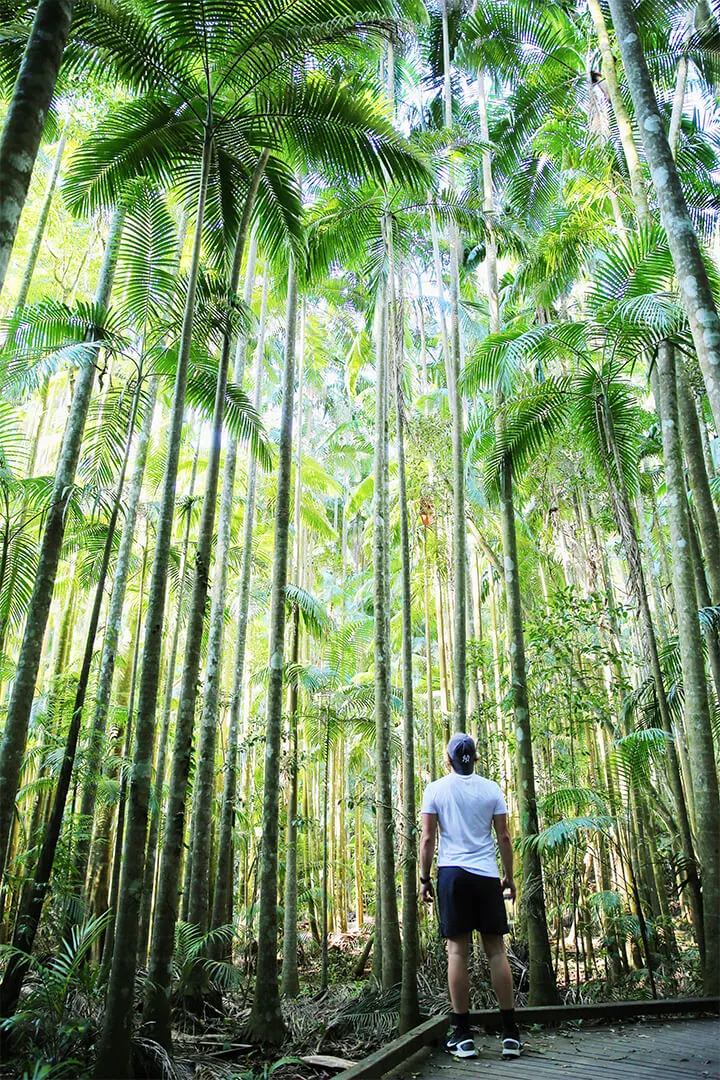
pixel 25 119
pixel 693 281
pixel 151 853
pixel 266 1021
pixel 289 983
pixel 432 762
pixel 204 783
pixel 699 483
pixel 622 118
pixel 389 936
pixel 409 1003
pixel 223 892
pixel 542 990
pixel 156 1014
pixel 114 895
pixel 14 738
pixel 459 531
pixel 696 708
pixel 113 1058
pixel 40 229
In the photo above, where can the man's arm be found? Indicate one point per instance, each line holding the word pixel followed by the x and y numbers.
pixel 506 852
pixel 427 850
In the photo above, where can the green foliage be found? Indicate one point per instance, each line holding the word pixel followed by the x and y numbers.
pixel 56 1024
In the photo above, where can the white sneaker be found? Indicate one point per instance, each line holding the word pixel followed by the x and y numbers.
pixel 511 1047
pixel 461 1044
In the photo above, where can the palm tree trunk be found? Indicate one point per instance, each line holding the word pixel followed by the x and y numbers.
pixel 458 451
pixel 223 892
pixel 693 282
pixel 14 738
pixel 203 788
pixel 113 1058
pixel 151 860
pixel 542 990
pixel 25 119
pixel 289 983
pixel 40 229
pixel 325 860
pixel 114 894
pixel 266 1021
pixel 702 495
pixel 156 1014
pixel 432 762
pixel 409 1004
pixel 696 708
pixel 389 938
pixel 622 118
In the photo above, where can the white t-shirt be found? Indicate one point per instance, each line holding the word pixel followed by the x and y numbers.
pixel 465 807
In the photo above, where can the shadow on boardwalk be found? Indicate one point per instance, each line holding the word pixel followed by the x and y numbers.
pixel 647 1050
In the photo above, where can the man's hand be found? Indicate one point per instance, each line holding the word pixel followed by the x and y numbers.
pixel 427 893
pixel 508 886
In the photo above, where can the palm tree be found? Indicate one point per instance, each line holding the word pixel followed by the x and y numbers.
pixel 692 275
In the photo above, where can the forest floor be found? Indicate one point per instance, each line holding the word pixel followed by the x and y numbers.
pixel 326 1031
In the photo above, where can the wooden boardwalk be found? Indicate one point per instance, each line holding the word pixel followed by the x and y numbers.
pixel 646 1050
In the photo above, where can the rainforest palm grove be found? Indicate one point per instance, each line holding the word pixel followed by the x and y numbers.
pixel 359 384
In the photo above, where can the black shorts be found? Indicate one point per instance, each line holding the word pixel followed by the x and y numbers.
pixel 470 902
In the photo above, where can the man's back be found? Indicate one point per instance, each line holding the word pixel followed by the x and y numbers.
pixel 465 807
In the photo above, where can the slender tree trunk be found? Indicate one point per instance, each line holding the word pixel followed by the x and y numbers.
pixel 113 1058
pixel 693 281
pixel 25 119
pixel 266 1021
pixel 699 483
pixel 14 738
pixel 223 892
pixel 622 118
pixel 40 229
pixel 409 1004
pixel 325 860
pixel 289 982
pixel 114 897
pixel 696 708
pixel 389 936
pixel 203 788
pixel 432 762
pixel 458 451
pixel 151 860
pixel 156 1015
pixel 542 990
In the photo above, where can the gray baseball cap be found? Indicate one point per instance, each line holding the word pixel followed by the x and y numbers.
pixel 462 753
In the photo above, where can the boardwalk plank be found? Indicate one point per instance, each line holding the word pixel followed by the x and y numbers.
pixel 688 1050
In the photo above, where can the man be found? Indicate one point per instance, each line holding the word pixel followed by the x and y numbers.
pixel 470 894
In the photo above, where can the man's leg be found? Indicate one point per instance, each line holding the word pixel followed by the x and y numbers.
pixel 500 973
pixel 460 1043
pixel 501 976
pixel 458 975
